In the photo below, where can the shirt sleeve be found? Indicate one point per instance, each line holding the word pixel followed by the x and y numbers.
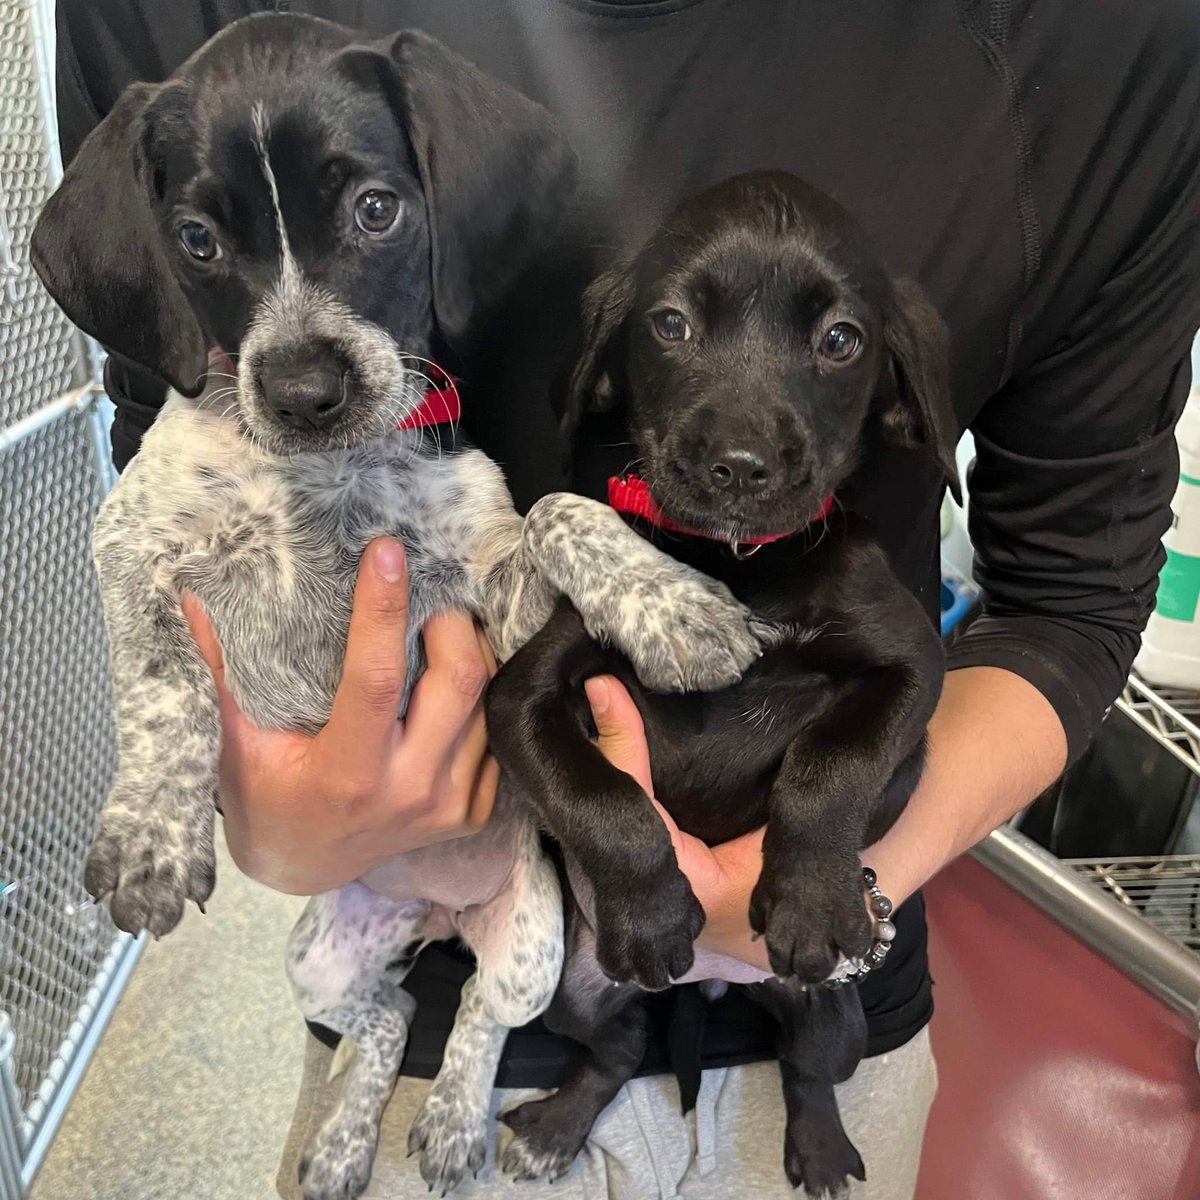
pixel 1075 470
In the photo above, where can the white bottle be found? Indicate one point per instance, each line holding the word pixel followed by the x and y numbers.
pixel 1170 652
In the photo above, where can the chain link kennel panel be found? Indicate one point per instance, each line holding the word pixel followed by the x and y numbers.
pixel 61 960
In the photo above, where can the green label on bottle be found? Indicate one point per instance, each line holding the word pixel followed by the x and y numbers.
pixel 1179 587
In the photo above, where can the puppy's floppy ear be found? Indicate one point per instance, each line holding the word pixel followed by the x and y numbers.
pixel 607 301
pixel 495 168
pixel 99 252
pixel 921 414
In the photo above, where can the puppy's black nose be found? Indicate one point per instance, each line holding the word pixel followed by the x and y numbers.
pixel 738 468
pixel 305 397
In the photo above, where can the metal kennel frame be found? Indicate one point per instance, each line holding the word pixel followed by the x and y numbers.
pixel 1166 891
pixel 1143 914
pixel 62 962
pixel 1163 890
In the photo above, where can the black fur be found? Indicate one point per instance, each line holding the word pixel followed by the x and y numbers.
pixel 824 739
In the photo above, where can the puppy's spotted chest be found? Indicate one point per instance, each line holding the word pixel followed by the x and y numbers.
pixel 271 544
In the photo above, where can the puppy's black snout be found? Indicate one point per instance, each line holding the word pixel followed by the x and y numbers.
pixel 306 397
pixel 739 468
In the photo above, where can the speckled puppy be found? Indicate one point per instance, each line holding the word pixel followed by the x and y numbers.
pixel 279 197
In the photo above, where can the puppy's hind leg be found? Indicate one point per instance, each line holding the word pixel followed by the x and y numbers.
pixel 609 1020
pixel 822 1036
pixel 518 943
pixel 346 959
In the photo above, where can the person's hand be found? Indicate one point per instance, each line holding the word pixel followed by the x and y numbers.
pixel 309 814
pixel 723 876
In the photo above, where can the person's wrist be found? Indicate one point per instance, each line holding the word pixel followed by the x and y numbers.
pixel 893 869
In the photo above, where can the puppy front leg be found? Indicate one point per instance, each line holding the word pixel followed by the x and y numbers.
pixel 154 847
pixel 647 916
pixel 809 898
pixel 681 630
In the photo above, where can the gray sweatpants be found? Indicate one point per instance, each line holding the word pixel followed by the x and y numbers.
pixel 729 1148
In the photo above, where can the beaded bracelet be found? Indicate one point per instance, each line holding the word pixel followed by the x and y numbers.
pixel 883 931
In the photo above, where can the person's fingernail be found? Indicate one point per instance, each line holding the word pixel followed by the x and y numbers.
pixel 598 694
pixel 389 561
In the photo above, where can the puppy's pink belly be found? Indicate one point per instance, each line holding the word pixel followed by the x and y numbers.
pixel 455 874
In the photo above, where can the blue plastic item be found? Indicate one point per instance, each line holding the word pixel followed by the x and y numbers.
pixel 956 599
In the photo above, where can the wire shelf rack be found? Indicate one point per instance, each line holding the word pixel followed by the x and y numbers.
pixel 1171 716
pixel 1164 890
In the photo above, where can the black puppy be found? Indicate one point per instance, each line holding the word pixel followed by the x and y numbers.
pixel 757 350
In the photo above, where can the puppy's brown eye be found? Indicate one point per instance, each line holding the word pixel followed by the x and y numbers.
pixel 199 241
pixel 671 325
pixel 376 210
pixel 841 342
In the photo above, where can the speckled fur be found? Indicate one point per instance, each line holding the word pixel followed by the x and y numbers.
pixel 266 526
pixel 270 544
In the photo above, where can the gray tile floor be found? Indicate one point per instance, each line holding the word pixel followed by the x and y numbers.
pixel 191 1092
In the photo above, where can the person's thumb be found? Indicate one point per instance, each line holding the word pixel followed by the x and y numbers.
pixel 621 737
pixel 368 697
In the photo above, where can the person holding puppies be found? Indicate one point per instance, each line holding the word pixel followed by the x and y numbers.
pixel 1041 179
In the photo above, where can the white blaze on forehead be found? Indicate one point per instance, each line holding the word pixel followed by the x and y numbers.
pixel 289 272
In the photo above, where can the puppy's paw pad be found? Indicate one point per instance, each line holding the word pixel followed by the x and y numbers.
pixel 146 878
pixel 685 633
pixel 540 1147
pixel 337 1163
pixel 451 1140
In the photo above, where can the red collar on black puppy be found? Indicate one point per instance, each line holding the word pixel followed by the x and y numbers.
pixel 631 496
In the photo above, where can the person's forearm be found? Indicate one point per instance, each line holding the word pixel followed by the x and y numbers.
pixel 995 744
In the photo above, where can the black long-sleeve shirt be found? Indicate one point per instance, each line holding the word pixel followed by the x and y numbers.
pixel 1036 165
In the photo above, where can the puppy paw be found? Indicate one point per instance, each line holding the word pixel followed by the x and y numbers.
pixel 546 1140
pixel 646 935
pixel 820 1159
pixel 149 868
pixel 336 1163
pixel 811 915
pixel 450 1135
pixel 684 632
